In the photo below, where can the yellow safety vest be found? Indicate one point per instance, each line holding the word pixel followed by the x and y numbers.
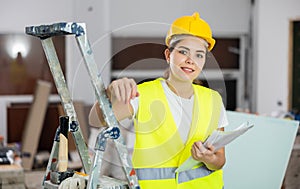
pixel 159 149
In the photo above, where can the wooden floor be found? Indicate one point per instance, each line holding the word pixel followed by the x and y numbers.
pixel 34 179
pixel 292 177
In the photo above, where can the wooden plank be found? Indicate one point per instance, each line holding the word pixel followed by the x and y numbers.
pixel 81 116
pixel 75 161
pixel 34 123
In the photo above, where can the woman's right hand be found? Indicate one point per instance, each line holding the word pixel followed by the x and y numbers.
pixel 122 90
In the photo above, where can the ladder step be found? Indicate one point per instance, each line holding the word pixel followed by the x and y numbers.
pixel 57 29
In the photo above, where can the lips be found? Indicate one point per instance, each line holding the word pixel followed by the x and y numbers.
pixel 187 70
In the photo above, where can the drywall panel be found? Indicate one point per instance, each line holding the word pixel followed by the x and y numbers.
pixel 259 158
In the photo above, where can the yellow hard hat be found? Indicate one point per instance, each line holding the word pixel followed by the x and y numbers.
pixel 192 25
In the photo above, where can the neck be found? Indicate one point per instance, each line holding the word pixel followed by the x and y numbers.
pixel 183 89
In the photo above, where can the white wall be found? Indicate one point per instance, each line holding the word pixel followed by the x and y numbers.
pixel 95 14
pixel 271 52
pixel 133 17
pixel 222 17
pixel 16 15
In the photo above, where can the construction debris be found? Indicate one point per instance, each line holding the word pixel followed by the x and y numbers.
pixel 11 177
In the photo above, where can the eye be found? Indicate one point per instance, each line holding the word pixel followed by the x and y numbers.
pixel 184 52
pixel 200 55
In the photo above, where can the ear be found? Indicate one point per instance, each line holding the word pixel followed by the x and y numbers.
pixel 167 55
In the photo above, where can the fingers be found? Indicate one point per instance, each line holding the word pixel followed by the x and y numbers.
pixel 200 152
pixel 123 89
pixel 210 147
pixel 199 146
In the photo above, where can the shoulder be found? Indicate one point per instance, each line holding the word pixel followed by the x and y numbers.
pixel 203 89
pixel 207 94
pixel 149 84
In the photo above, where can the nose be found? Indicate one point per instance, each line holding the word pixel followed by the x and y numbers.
pixel 189 60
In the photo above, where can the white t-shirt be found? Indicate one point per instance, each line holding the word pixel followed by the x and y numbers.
pixel 181 109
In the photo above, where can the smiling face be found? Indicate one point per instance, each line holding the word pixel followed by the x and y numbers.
pixel 186 58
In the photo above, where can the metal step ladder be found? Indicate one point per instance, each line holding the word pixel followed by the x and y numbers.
pixel 45 34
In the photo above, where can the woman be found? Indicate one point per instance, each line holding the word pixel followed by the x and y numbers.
pixel 173 116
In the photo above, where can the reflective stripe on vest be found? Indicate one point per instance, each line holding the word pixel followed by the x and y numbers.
pixel 169 173
pixel 188 175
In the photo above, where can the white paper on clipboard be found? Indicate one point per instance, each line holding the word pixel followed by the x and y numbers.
pixel 218 139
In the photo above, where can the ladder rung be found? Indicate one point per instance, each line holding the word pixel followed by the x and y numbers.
pixel 57 29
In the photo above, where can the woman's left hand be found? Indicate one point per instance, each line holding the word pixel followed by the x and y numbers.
pixel 202 153
pixel 213 159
